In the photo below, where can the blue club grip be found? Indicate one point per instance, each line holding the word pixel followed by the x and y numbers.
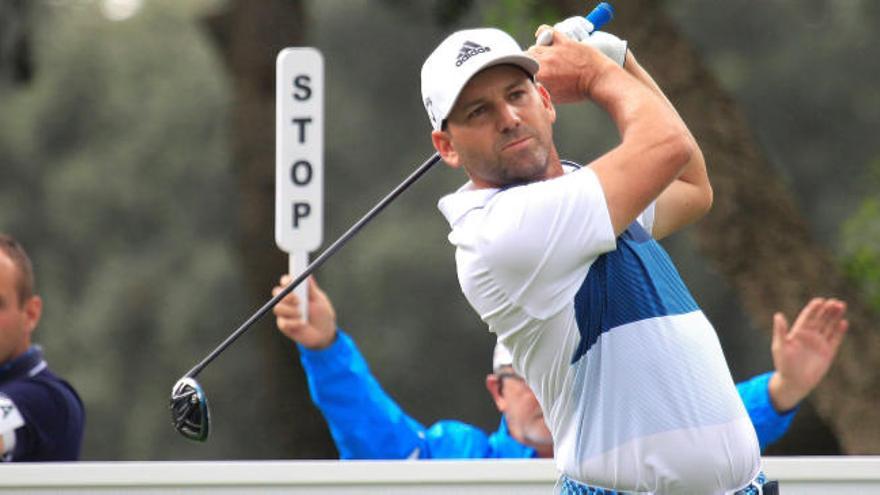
pixel 600 16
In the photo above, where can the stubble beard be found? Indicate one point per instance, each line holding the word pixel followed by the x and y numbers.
pixel 527 165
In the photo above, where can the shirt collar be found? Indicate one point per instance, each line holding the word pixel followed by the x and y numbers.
pixel 468 197
pixel 28 364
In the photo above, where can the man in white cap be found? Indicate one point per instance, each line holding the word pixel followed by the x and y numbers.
pixel 562 263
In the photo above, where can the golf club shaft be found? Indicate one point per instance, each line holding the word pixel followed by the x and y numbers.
pixel 316 263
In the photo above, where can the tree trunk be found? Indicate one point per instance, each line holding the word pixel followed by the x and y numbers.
pixel 755 234
pixel 16 63
pixel 249 35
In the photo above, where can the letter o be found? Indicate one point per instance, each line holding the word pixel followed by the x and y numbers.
pixel 301 173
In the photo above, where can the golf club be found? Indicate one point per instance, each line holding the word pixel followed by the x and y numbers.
pixel 189 404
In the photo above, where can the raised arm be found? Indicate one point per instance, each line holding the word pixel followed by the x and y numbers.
pixel 689 196
pixel 803 355
pixel 656 147
pixel 365 422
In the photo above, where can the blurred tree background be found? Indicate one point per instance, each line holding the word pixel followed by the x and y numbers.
pixel 137 159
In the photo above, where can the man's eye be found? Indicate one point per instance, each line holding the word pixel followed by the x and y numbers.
pixel 516 95
pixel 477 112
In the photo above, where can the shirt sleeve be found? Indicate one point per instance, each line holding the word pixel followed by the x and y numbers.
pixel 364 421
pixel 539 239
pixel 449 439
pixel 769 424
pixel 646 219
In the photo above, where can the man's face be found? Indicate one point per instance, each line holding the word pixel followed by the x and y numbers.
pixel 500 129
pixel 17 318
pixel 525 419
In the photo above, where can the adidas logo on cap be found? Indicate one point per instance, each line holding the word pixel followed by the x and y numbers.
pixel 468 50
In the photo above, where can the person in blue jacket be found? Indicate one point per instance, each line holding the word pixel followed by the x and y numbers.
pixel 41 416
pixel 368 424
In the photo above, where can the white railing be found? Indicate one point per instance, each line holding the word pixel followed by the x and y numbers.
pixel 797 475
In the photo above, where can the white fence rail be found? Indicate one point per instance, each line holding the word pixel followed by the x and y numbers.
pixel 798 476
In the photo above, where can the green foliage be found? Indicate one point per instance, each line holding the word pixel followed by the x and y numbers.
pixel 860 243
pixel 116 176
pixel 520 18
pixel 806 75
pixel 447 12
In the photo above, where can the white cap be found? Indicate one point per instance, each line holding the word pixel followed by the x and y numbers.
pixel 455 61
pixel 501 357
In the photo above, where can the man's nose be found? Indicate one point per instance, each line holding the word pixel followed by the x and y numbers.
pixel 508 118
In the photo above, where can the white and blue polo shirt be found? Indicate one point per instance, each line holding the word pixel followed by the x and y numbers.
pixel 627 368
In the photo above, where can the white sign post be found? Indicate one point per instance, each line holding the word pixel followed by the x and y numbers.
pixel 299 157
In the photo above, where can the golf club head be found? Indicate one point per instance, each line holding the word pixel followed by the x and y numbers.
pixel 189 409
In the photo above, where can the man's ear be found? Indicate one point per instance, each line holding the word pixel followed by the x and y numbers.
pixel 546 101
pixel 33 310
pixel 493 383
pixel 443 144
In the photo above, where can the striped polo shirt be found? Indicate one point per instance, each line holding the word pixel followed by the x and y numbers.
pixel 628 370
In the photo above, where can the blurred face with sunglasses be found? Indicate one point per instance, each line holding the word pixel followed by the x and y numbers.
pixel 522 412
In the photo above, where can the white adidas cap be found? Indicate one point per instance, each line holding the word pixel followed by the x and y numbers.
pixel 501 357
pixel 458 58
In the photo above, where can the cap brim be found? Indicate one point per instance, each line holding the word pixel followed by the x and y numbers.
pixel 529 64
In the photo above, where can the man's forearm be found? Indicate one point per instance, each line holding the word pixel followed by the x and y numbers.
pixel 689 197
pixel 770 424
pixel 784 396
pixel 364 421
pixel 656 146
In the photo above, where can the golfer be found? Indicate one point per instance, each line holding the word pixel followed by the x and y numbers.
pixel 562 263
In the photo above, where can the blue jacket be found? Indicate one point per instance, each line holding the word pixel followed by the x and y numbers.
pixel 51 414
pixel 367 424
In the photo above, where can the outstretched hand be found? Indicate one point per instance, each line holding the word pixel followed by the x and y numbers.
pixel 320 329
pixel 803 354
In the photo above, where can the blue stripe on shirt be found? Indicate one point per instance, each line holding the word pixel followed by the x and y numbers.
pixel 634 282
